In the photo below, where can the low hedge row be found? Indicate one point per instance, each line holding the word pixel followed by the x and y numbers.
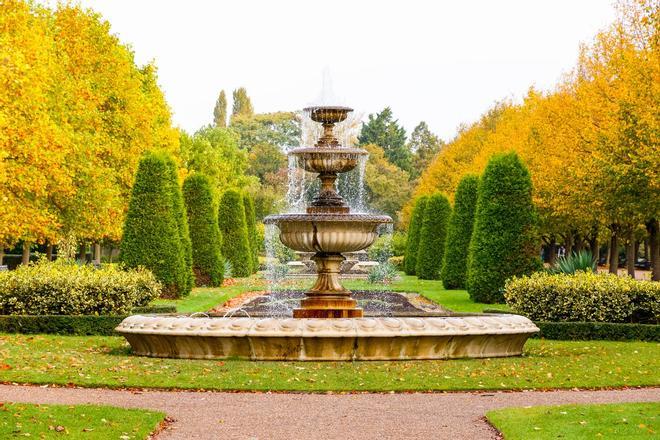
pixel 607 331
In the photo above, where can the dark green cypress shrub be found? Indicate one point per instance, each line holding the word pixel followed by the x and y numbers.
pixel 151 237
pixel 459 232
pixel 251 221
pixel 410 256
pixel 187 276
pixel 432 237
pixel 504 241
pixel 233 227
pixel 208 265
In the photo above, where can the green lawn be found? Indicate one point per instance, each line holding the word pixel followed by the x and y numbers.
pixel 76 421
pixel 613 421
pixel 106 361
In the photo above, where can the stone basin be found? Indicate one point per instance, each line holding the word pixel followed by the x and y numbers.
pixel 328 160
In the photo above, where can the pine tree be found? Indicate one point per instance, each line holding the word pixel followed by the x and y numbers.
pixel 423 145
pixel 459 232
pixel 412 244
pixel 151 233
pixel 242 105
pixel 432 237
pixel 220 111
pixel 250 219
pixel 233 227
pixel 504 241
pixel 383 130
pixel 204 232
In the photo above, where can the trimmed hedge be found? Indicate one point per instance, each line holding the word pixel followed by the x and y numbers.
pixel 504 241
pixel 432 236
pixel 233 227
pixel 459 232
pixel 151 233
pixel 412 245
pixel 584 296
pixel 63 288
pixel 607 331
pixel 82 325
pixel 208 264
pixel 251 222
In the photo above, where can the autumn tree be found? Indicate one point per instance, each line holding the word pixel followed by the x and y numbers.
pixel 242 106
pixel 220 111
pixel 383 130
pixel 388 187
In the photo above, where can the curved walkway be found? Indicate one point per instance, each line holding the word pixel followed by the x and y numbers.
pixel 211 415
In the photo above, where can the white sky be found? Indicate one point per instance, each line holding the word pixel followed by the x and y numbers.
pixel 444 62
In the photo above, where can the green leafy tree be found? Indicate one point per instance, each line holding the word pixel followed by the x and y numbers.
pixel 242 105
pixel 459 232
pixel 388 187
pixel 432 237
pixel 233 227
pixel 251 222
pixel 414 229
pixel 208 264
pixel 504 240
pixel 280 129
pixel 424 145
pixel 151 234
pixel 383 130
pixel 265 160
pixel 220 111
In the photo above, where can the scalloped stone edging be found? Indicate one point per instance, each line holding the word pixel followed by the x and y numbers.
pixel 381 338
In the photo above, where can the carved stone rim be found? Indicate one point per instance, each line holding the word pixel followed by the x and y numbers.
pixel 319 218
pixel 328 151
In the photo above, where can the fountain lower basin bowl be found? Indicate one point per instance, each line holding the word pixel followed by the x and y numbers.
pixel 328 160
pixel 378 338
pixel 327 233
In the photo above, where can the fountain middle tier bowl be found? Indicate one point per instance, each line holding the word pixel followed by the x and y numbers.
pixel 328 160
pixel 328 233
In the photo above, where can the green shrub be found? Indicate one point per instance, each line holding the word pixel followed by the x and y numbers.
pixel 582 261
pixel 608 331
pixel 584 296
pixel 60 288
pixel 381 249
pixel 414 229
pixel 384 273
pixel 399 241
pixel 504 241
pixel 204 232
pixel 233 227
pixel 396 261
pixel 432 237
pixel 459 232
pixel 151 233
pixel 251 222
pixel 81 325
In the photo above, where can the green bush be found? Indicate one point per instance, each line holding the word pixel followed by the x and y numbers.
pixel 608 331
pixel 81 325
pixel 381 249
pixel 582 261
pixel 384 273
pixel 233 227
pixel 204 232
pixel 414 229
pixel 253 238
pixel 432 237
pixel 459 232
pixel 584 296
pixel 399 241
pixel 396 261
pixel 504 241
pixel 151 234
pixel 61 288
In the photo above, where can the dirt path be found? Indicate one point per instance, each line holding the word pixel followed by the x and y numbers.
pixel 211 415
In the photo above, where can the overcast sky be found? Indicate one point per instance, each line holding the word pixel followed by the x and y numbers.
pixel 444 62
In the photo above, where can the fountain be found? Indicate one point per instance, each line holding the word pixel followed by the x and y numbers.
pixel 328 324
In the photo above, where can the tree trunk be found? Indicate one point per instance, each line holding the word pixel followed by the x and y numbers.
pixel 614 253
pixel 97 253
pixel 26 253
pixel 2 255
pixel 552 253
pixel 83 253
pixel 595 249
pixel 654 248
pixel 49 252
pixel 646 249
pixel 577 243
pixel 630 253
pixel 568 244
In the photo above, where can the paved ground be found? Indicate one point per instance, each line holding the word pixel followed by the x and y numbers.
pixel 211 415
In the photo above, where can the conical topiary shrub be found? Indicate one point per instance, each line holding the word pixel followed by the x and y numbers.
pixel 412 243
pixel 151 235
pixel 432 237
pixel 233 227
pixel 459 232
pixel 208 265
pixel 251 221
pixel 504 241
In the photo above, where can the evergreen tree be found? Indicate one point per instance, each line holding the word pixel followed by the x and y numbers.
pixel 432 236
pixel 151 233
pixel 220 111
pixel 251 221
pixel 412 244
pixel 459 232
pixel 424 145
pixel 242 105
pixel 384 131
pixel 504 241
pixel 233 227
pixel 204 232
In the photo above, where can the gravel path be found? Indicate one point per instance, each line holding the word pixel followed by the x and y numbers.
pixel 211 415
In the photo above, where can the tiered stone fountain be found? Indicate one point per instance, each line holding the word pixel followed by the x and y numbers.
pixel 328 325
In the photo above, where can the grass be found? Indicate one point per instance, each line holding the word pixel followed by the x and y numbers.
pixel 76 421
pixel 106 362
pixel 611 421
